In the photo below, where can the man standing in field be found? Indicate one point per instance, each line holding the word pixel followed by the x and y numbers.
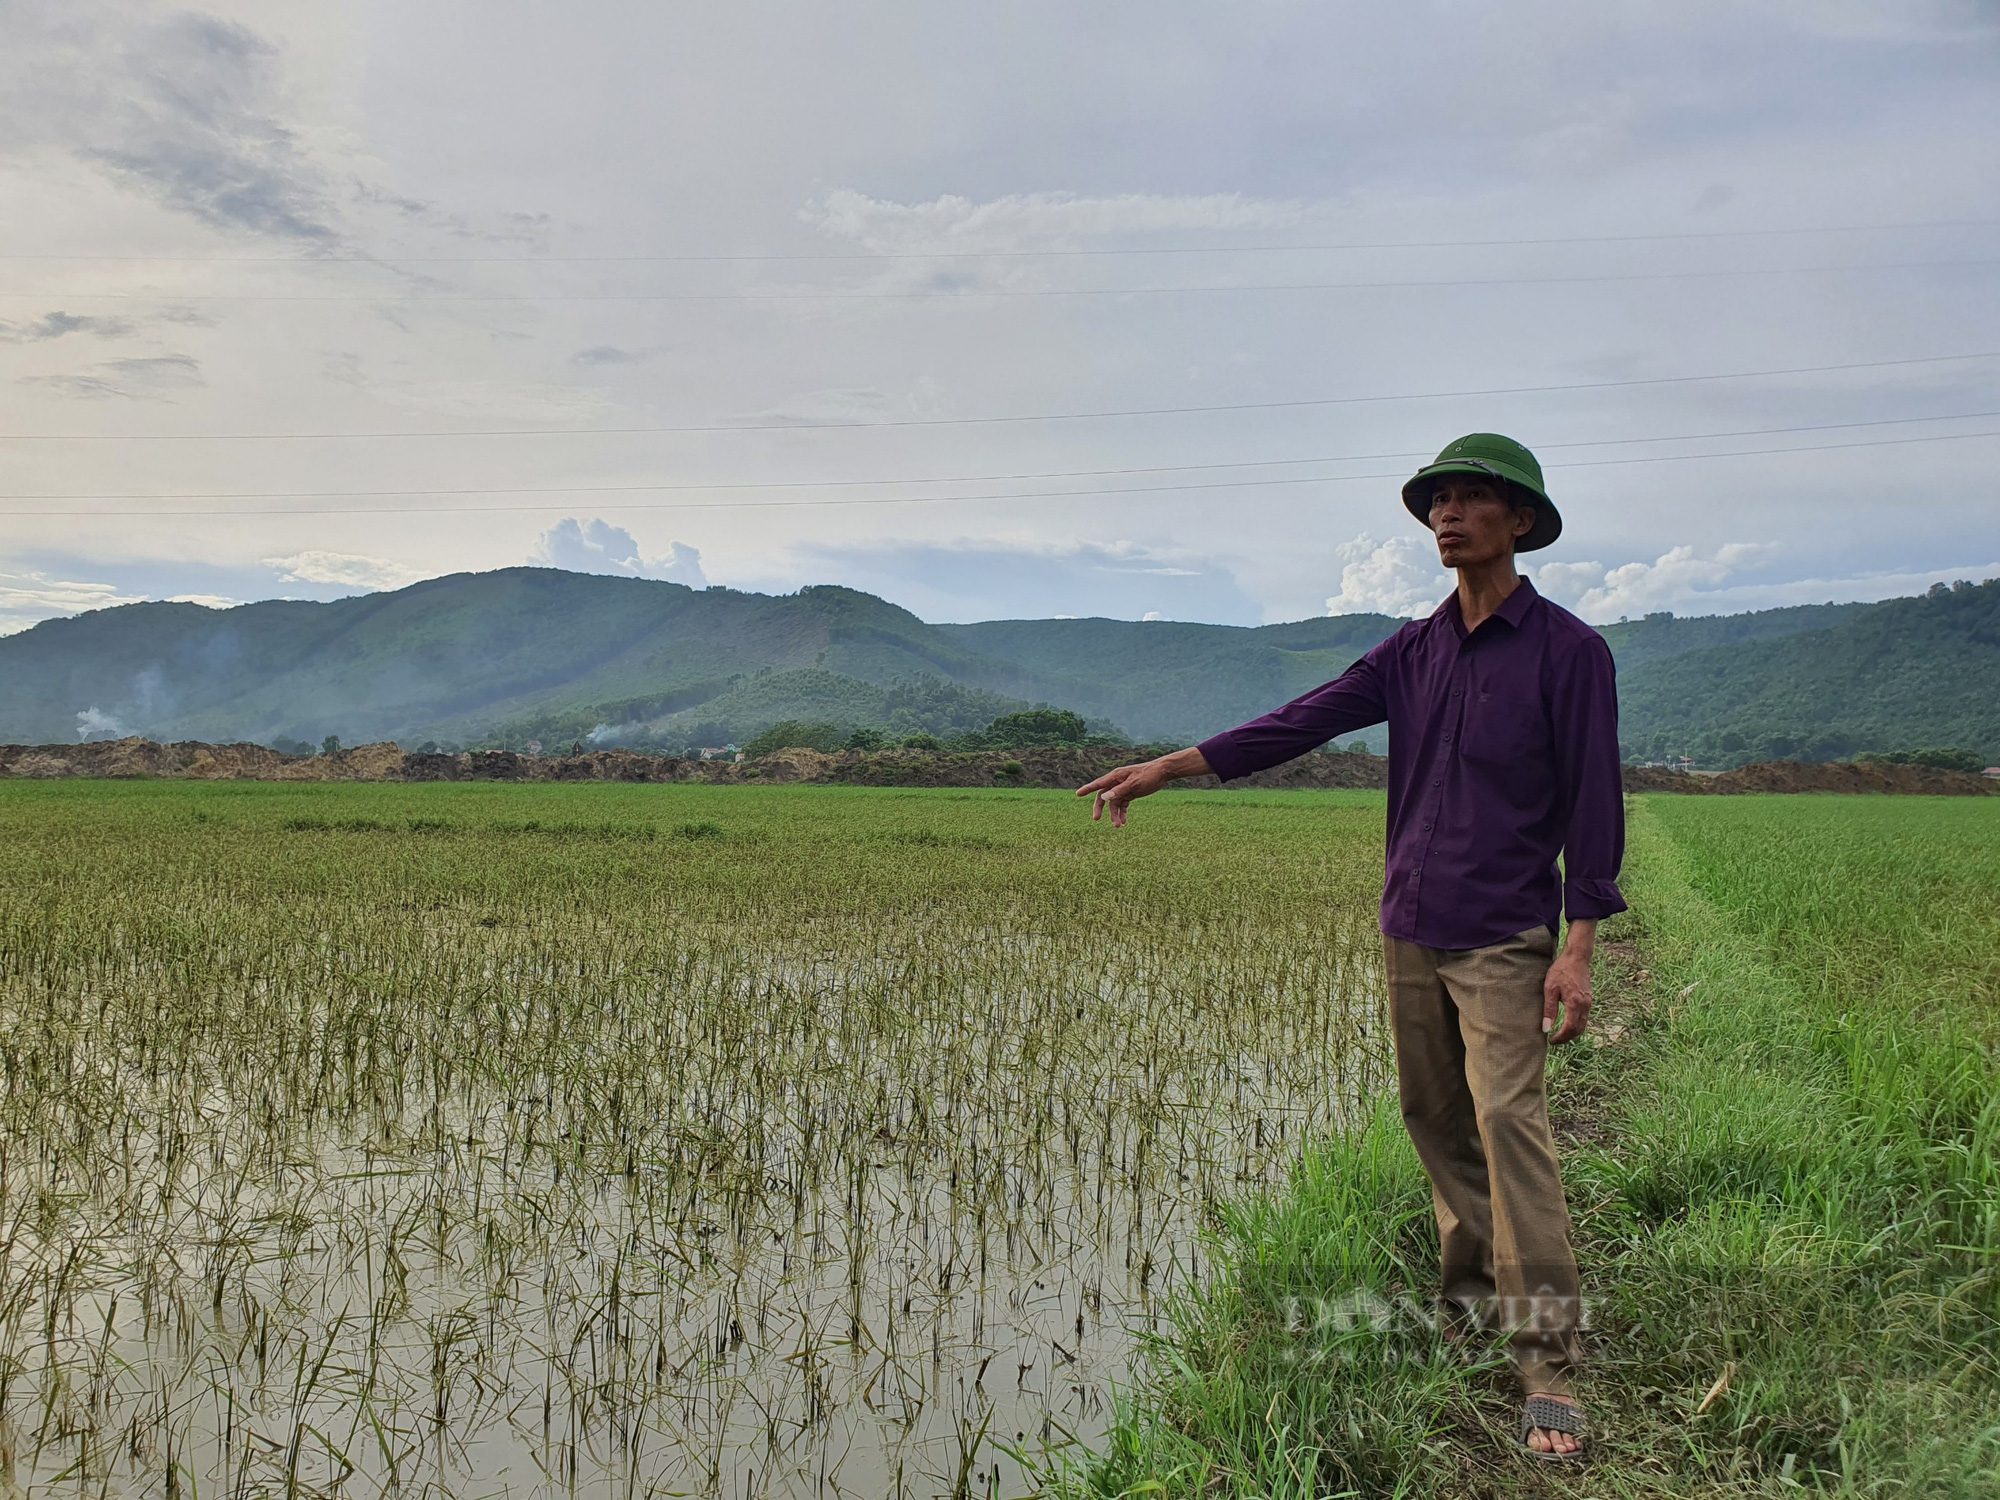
pixel 1503 754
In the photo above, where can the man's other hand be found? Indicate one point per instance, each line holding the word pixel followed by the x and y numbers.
pixel 1567 988
pixel 1117 789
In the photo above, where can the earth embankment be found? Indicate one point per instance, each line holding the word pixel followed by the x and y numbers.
pixel 1035 766
pixel 1046 766
pixel 1814 776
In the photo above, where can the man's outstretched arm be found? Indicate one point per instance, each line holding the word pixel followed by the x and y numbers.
pixel 1352 701
pixel 1116 789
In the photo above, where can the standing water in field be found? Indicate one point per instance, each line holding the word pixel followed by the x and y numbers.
pixel 832 1143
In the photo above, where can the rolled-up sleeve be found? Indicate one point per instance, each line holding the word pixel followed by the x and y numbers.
pixel 1353 700
pixel 1584 707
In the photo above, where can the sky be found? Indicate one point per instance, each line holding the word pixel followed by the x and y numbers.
pixel 999 311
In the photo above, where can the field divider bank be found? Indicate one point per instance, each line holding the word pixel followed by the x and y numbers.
pixel 1788 1214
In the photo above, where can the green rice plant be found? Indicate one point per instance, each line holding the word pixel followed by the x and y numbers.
pixel 753 1141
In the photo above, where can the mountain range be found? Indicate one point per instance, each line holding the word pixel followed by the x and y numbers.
pixel 535 653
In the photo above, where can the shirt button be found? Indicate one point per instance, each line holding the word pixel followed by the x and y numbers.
pixel 1454 692
pixel 1447 739
pixel 1427 828
pixel 1437 783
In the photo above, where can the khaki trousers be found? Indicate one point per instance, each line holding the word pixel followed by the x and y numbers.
pixel 1470 1057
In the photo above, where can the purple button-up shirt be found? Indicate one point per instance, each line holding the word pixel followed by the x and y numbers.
pixel 1503 753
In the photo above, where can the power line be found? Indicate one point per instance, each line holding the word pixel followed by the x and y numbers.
pixel 982 294
pixel 1074 416
pixel 754 257
pixel 1095 494
pixel 809 484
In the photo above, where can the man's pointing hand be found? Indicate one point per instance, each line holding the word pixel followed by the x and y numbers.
pixel 1117 789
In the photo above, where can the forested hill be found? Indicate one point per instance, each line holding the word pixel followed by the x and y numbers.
pixel 536 653
pixel 1905 674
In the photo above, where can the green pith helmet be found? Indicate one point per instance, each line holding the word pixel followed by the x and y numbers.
pixel 1490 456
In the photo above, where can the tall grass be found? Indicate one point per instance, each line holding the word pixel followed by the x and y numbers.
pixel 1791 1233
pixel 1810 1185
pixel 482 1139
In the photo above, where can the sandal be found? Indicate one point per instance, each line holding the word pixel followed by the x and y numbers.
pixel 1551 1415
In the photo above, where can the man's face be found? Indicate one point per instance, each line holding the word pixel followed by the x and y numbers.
pixel 1473 522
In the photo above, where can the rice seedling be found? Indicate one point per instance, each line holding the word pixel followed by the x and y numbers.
pixel 515 1140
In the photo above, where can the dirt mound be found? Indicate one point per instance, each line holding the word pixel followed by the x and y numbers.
pixel 1852 776
pixel 140 757
pixel 1806 776
pixel 1052 766
pixel 1037 766
pixel 196 760
pixel 1660 779
pixel 1047 766
pixel 791 765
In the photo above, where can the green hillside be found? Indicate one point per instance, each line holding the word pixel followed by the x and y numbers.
pixel 1905 674
pixel 454 658
pixel 1164 680
pixel 1635 643
pixel 536 654
pixel 748 704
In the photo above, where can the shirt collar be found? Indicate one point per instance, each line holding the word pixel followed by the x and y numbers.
pixel 1513 609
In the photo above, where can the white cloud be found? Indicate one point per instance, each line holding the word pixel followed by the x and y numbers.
pixel 1566 582
pixel 26 598
pixel 596 546
pixel 1863 588
pixel 1676 577
pixel 1016 577
pixel 351 569
pixel 1041 221
pixel 1397 577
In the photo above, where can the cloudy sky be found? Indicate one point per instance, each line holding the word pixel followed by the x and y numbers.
pixel 1012 310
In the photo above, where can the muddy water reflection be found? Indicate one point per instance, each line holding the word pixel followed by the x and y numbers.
pixel 844 1213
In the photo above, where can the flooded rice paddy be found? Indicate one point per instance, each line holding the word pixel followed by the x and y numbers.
pixel 635 1140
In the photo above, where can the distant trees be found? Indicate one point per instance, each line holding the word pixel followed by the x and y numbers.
pixel 1011 731
pixel 1898 678
pixel 1037 726
pixel 794 734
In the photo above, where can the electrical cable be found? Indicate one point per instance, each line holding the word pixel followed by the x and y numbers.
pixel 741 258
pixel 811 484
pixel 1076 416
pixel 512 298
pixel 1095 494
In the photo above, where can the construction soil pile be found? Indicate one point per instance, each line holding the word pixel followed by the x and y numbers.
pixel 1035 766
pixel 1825 776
